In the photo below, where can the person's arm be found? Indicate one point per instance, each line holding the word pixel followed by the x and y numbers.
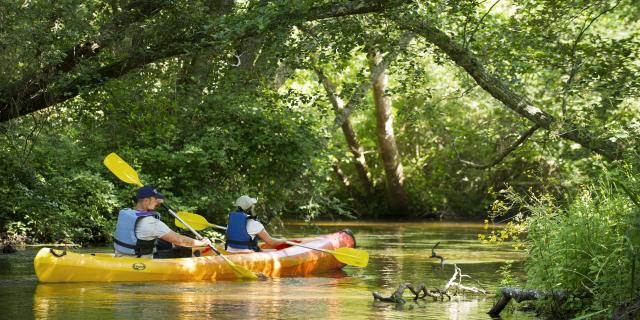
pixel 266 237
pixel 183 241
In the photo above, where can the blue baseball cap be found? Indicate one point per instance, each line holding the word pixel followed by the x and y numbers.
pixel 148 192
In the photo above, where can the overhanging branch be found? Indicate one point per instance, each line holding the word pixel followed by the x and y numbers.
pixel 52 94
pixel 494 86
pixel 16 95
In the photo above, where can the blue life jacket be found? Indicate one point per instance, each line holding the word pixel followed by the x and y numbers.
pixel 125 239
pixel 236 235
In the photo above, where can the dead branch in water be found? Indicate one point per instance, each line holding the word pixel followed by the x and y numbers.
pixel 421 292
pixel 458 285
pixel 434 255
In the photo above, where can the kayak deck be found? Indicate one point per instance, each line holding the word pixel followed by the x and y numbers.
pixel 62 266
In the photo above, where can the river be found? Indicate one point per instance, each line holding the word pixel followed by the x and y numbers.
pixel 399 252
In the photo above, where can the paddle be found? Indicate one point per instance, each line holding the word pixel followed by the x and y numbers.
pixel 350 256
pixel 126 173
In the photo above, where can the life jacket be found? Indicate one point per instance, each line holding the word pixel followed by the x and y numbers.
pixel 236 235
pixel 125 239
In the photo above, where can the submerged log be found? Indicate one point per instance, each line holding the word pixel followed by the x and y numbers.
pixel 628 310
pixel 520 295
pixel 419 293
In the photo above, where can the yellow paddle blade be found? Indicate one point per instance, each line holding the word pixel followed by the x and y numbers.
pixel 121 169
pixel 196 221
pixel 241 272
pixel 351 256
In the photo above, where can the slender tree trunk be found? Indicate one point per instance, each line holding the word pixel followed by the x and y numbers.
pixel 358 156
pixel 386 140
pixel 349 134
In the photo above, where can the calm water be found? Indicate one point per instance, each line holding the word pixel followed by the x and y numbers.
pixel 399 253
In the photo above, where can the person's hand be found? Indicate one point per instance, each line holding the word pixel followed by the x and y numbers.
pixel 205 242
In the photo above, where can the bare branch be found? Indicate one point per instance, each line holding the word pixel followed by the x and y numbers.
pixel 434 255
pixel 504 153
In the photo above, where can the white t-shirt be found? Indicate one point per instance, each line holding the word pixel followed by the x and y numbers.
pixel 148 228
pixel 253 227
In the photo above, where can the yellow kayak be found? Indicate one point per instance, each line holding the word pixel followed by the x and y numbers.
pixel 52 265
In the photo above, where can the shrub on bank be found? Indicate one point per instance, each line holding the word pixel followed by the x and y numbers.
pixel 588 245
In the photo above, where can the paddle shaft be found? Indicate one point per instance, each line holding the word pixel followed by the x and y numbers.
pixel 291 243
pixel 195 233
pixel 173 213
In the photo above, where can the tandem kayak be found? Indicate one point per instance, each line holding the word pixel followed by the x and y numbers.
pixel 52 265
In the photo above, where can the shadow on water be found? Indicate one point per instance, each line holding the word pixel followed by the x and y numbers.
pixel 399 253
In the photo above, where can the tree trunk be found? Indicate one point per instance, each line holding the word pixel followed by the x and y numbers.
pixel 374 73
pixel 386 140
pixel 349 134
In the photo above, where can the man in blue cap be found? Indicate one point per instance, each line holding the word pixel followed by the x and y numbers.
pixel 138 229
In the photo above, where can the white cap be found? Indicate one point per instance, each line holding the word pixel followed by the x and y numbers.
pixel 245 202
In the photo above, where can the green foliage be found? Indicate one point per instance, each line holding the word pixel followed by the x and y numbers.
pixel 588 246
pixel 210 100
pixel 58 198
pixel 507 279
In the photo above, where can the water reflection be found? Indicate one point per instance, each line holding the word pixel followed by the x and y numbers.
pixel 399 253
pixel 317 296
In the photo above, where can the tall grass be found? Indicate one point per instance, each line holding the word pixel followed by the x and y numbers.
pixel 587 245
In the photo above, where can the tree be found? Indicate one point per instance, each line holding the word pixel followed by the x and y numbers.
pixel 388 150
pixel 61 80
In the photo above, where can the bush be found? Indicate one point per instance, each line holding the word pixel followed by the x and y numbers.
pixel 588 245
